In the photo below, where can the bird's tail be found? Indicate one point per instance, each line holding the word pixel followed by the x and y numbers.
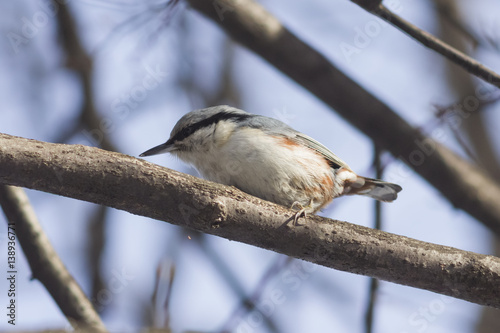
pixel 375 188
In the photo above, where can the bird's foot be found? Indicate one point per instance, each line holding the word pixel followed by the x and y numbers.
pixel 302 211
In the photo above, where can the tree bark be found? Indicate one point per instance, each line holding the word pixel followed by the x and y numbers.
pixel 146 189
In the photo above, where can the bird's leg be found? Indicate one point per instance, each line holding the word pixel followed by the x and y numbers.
pixel 301 212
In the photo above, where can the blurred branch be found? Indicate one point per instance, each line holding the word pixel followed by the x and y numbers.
pixel 80 62
pixel 162 294
pixel 96 244
pixel 45 264
pixel 463 185
pixel 377 212
pixel 139 187
pixel 474 129
pixel 471 65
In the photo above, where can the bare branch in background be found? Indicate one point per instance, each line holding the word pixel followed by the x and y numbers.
pixel 96 244
pixel 377 213
pixel 160 300
pixel 139 187
pixel 464 185
pixel 474 129
pixel 45 264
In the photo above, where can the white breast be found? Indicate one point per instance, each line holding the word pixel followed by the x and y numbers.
pixel 272 168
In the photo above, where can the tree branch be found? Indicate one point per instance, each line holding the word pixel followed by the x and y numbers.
pixel 45 264
pixel 471 65
pixel 464 185
pixel 146 189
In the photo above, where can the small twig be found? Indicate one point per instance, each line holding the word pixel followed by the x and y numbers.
pixel 461 142
pixel 45 264
pixel 471 65
pixel 442 115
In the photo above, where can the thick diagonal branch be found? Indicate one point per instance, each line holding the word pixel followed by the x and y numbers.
pixel 142 188
pixel 462 184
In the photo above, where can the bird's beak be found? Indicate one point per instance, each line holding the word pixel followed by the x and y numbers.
pixel 166 147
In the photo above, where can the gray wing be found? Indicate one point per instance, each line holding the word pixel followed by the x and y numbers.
pixel 334 160
pixel 276 127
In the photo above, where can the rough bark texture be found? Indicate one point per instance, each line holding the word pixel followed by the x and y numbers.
pixel 464 185
pixel 143 188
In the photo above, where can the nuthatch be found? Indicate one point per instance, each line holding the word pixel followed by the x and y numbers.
pixel 266 158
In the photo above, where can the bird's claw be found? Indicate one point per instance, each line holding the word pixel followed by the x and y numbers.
pixel 301 212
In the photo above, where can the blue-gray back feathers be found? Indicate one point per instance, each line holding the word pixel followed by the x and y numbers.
pixel 197 119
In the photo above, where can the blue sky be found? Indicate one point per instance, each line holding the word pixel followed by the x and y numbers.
pixel 137 70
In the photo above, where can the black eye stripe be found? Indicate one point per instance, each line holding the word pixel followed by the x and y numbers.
pixel 187 131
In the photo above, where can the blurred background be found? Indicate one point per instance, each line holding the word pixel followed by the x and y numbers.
pixel 118 74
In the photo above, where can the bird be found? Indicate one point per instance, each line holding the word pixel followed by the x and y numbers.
pixel 266 158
